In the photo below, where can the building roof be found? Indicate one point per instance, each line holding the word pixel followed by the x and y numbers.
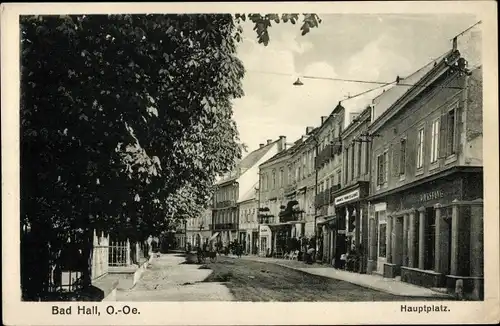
pixel 289 151
pixel 389 96
pixel 247 162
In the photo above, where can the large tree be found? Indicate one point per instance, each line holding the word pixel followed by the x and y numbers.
pixel 127 119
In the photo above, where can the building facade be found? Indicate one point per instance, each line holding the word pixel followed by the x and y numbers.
pixel 328 166
pixel 275 175
pixel 198 229
pixel 426 185
pixel 232 189
pixel 248 223
pixel 350 197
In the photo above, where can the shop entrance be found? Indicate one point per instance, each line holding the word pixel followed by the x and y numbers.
pixel 430 238
pixel 263 246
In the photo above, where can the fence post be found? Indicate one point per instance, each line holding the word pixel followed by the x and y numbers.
pixel 95 256
pixel 127 253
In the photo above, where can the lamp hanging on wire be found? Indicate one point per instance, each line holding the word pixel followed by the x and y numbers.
pixel 298 82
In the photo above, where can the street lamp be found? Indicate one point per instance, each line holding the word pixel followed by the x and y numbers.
pixel 298 82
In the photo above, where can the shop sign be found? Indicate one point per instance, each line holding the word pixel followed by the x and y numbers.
pixel 347 197
pixel 264 230
pixel 434 193
pixel 431 195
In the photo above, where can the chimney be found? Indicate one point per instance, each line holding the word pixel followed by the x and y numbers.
pixel 282 143
pixel 323 118
pixel 455 43
pixel 261 145
pixel 309 130
pixel 269 141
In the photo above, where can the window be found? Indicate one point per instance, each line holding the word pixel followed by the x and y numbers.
pixel 359 160
pixel 402 157
pixel 382 168
pixel 339 177
pixel 420 148
pixel 451 131
pixel 382 240
pixel 281 177
pixel 435 141
pixel 274 179
pixel 367 157
pixel 353 150
pixel 304 165
pixel 289 174
pixel 347 164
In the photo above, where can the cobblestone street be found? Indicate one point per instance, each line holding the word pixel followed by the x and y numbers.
pixel 169 278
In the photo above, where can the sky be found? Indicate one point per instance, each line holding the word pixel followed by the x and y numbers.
pixel 348 46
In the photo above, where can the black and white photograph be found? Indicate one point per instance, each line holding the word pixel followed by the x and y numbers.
pixel 251 154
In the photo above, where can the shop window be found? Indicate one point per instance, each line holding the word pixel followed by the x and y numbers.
pixel 382 238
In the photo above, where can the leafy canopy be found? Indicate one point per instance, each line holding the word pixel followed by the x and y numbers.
pixel 127 119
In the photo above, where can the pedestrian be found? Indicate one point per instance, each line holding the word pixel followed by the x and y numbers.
pixel 343 259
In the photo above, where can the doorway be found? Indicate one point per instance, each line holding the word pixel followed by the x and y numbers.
pixel 430 238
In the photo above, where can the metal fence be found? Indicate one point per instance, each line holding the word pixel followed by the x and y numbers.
pixel 119 253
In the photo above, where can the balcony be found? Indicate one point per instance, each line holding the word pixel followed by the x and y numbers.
pixel 226 203
pixel 320 199
pixel 324 156
pixel 291 215
pixel 223 226
pixel 290 188
pixel 266 219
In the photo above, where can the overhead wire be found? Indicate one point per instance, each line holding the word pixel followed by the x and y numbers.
pixel 382 83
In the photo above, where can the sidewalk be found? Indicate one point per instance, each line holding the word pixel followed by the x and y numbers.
pixel 370 281
pixel 169 279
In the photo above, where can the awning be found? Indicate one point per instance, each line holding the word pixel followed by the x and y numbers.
pixel 213 236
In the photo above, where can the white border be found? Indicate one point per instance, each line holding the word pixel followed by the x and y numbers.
pixel 196 313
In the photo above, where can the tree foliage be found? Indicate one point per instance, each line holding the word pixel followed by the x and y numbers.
pixel 127 119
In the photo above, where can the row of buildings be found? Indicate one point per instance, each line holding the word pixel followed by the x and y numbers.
pixel 398 186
